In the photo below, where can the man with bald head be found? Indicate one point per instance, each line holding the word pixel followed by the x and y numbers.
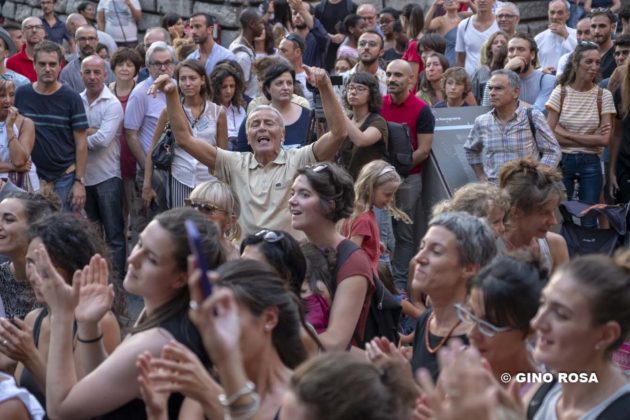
pixel 103 182
pixel 22 62
pixel 402 106
pixel 87 40
pixel 73 22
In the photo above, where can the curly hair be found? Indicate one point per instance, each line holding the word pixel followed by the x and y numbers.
pixel 477 198
pixel 334 186
pixel 218 76
pixel 374 94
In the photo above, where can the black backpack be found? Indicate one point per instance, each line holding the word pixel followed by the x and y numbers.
pixel 399 150
pixel 384 314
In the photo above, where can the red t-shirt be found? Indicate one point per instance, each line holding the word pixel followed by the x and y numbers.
pixel 411 55
pixel 415 113
pixel 358 264
pixel 365 225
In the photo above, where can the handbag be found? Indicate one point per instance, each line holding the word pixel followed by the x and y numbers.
pixel 164 151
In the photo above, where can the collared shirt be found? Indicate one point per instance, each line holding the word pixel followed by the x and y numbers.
pixel 380 75
pixel 552 46
pixel 56 33
pixel 316 42
pixel 20 63
pixel 263 190
pixel 71 75
pixel 492 143
pixel 106 114
pixel 143 111
pixel 217 54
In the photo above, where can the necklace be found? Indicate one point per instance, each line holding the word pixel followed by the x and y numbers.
pixel 444 339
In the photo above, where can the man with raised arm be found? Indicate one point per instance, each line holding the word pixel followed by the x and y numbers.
pixel 262 179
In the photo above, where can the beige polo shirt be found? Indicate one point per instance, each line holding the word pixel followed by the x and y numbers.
pixel 263 191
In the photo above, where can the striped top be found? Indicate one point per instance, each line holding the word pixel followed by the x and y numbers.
pixel 579 113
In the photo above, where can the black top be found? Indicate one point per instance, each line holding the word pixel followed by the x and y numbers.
pixel 421 356
pixel 608 63
pixel 623 162
pixel 185 332
pixel 297 133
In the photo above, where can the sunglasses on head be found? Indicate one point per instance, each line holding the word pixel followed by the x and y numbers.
pixel 269 236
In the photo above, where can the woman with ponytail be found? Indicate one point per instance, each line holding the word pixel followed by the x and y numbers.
pixel 580 114
pixel 535 193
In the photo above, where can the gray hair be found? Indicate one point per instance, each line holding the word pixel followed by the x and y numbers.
pixel 258 108
pixel 475 240
pixel 157 47
pixel 510 6
pixel 566 3
pixel 513 79
pixel 166 36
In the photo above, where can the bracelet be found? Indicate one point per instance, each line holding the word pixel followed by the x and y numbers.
pixel 244 412
pixel 94 340
pixel 246 390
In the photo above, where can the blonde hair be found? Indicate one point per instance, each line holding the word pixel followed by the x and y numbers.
pixel 477 198
pixel 372 176
pixel 219 194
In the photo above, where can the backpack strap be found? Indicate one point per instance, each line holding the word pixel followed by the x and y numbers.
pixel 617 410
pixel 537 399
pixel 600 93
pixel 530 119
pixel 345 249
pixel 467 23
pixel 563 94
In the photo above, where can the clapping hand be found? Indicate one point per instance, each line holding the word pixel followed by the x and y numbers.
pixel 60 297
pixel 96 293
pixel 16 341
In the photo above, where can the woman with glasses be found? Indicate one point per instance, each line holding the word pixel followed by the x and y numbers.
pixel 580 114
pixel 367 130
pixel 535 193
pixel 445 25
pixel 322 195
pixel 452 251
pixel 503 300
pixel 583 318
pixel 207 121
pixel 215 200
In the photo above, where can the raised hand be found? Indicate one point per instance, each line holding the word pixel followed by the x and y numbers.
pixel 216 318
pixel 163 83
pixel 96 293
pixel 316 76
pixel 61 297
pixel 16 341
pixel 155 402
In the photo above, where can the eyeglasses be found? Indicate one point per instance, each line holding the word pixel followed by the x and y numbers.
pixel 371 44
pixel 357 88
pixel 89 38
pixel 484 327
pixel 34 28
pixel 206 208
pixel 505 16
pixel 270 236
pixel 159 65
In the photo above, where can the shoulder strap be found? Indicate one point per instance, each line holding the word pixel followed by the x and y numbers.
pixel 616 410
pixel 37 325
pixel 563 94
pixel 345 249
pixel 530 119
pixel 600 93
pixel 537 399
pixel 467 23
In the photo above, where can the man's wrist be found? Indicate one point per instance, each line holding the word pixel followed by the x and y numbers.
pixel 80 180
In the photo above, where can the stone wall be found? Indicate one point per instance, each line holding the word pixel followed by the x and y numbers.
pixel 533 13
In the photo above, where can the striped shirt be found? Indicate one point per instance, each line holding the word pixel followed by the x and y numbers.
pixel 579 113
pixel 491 143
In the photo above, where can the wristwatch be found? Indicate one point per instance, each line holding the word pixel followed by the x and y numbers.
pixel 80 179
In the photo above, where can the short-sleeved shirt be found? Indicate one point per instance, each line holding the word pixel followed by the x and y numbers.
pixel 119 21
pixel 20 63
pixel 470 40
pixel 579 113
pixel 56 33
pixel 56 116
pixel 263 191
pixel 365 225
pixel 143 111
pixel 354 157
pixel 358 264
pixel 415 113
pixel 217 54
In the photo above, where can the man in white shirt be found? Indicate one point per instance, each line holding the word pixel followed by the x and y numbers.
pixel 559 39
pixel 472 32
pixel 103 182
pixel 582 33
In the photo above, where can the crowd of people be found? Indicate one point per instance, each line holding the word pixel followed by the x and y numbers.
pixel 322 299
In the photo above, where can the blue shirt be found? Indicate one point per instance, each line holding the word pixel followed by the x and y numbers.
pixel 56 33
pixel 217 54
pixel 317 42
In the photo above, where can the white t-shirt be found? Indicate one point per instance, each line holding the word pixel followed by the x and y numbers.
pixel 119 21
pixel 470 41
